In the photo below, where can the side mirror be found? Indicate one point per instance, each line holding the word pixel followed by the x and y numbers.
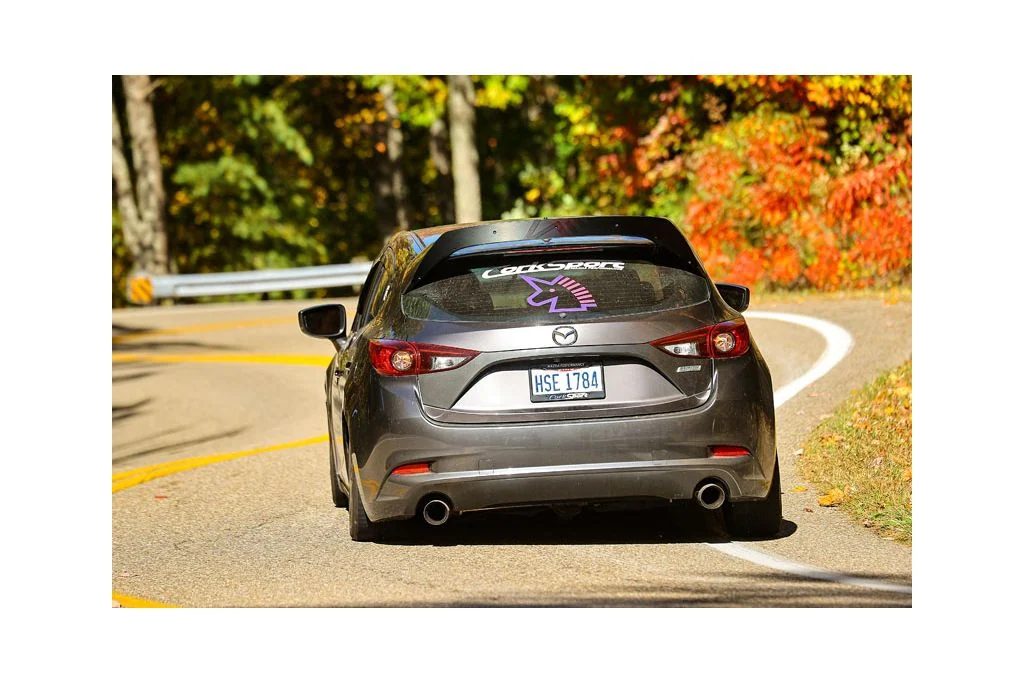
pixel 736 296
pixel 324 322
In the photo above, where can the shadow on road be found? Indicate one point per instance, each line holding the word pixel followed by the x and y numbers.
pixel 128 376
pixel 123 412
pixel 139 339
pixel 168 345
pixel 747 589
pixel 679 524
pixel 133 455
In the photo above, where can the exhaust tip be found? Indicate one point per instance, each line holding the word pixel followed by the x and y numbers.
pixel 711 496
pixel 436 512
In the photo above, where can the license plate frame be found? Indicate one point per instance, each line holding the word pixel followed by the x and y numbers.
pixel 564 371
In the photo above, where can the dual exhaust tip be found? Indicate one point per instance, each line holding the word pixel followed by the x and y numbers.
pixel 436 511
pixel 710 495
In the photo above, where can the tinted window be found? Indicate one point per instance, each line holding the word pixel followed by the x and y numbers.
pixel 543 290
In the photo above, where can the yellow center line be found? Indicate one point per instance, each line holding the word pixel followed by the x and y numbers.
pixel 265 359
pixel 130 478
pixel 205 327
pixel 131 601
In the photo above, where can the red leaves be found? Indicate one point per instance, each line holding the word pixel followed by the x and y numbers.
pixel 764 207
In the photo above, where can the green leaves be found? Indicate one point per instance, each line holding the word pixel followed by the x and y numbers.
pixel 228 175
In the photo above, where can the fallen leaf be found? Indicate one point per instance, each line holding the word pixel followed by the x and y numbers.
pixel 808 510
pixel 160 497
pixel 868 523
pixel 832 498
pixel 799 451
pixel 799 489
pixel 907 476
pixel 877 462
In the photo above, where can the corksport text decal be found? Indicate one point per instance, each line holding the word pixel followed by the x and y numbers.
pixel 546 267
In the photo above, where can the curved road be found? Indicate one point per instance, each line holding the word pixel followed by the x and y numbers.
pixel 221 494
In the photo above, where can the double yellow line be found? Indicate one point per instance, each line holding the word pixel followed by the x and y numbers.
pixel 130 478
pixel 263 359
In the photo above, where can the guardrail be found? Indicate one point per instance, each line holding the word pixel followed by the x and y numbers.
pixel 144 289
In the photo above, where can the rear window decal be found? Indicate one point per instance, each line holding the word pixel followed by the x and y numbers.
pixel 560 286
pixel 546 267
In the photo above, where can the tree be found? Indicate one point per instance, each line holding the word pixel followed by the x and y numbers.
pixel 394 142
pixel 461 97
pixel 141 203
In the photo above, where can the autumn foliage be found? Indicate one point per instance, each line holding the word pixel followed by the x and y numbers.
pixel 780 181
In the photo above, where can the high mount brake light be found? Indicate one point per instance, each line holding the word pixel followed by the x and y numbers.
pixel 396 358
pixel 724 340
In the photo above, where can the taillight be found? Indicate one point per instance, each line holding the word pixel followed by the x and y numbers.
pixel 724 340
pixel 395 358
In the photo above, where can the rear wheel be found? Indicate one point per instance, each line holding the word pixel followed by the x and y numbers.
pixel 359 525
pixel 760 518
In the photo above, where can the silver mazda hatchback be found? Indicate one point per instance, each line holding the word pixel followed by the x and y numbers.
pixel 549 362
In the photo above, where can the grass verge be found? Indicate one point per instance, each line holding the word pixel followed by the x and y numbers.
pixel 859 458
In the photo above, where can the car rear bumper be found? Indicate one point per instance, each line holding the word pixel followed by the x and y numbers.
pixel 476 467
pixel 400 496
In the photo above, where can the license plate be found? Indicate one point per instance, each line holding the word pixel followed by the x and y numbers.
pixel 566 382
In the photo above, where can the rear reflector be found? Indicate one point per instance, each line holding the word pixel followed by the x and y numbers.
pixel 728 452
pixel 413 468
pixel 393 357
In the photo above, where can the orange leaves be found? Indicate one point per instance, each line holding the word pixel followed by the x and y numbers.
pixel 778 181
pixel 765 206
pixel 833 498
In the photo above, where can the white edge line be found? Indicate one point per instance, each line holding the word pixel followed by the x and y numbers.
pixel 838 343
pixel 745 552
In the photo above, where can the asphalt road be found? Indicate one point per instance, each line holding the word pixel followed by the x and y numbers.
pixel 260 529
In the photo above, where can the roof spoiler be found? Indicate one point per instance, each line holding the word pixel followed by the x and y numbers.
pixel 508 236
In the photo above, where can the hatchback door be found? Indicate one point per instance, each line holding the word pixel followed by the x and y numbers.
pixel 560 335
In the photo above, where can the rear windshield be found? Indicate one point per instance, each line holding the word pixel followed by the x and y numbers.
pixel 556 289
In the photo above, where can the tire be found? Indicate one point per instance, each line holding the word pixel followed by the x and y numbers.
pixel 338 494
pixel 359 525
pixel 760 518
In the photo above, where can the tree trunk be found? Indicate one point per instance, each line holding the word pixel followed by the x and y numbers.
pixel 142 205
pixel 441 156
pixel 394 144
pixel 464 153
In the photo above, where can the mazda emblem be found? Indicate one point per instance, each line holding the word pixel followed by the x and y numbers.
pixel 564 336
